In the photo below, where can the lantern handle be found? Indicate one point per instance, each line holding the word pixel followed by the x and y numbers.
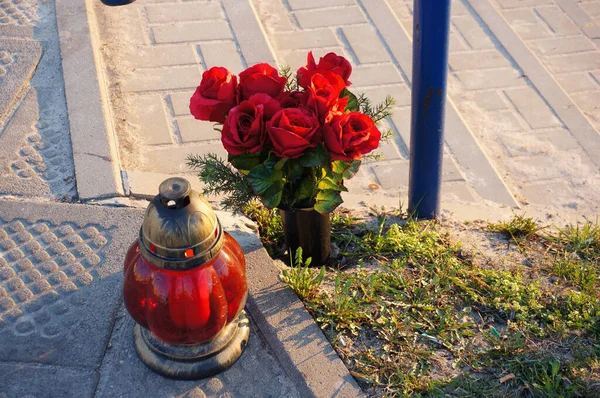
pixel 174 193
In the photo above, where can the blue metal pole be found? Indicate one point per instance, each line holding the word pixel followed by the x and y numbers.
pixel 431 27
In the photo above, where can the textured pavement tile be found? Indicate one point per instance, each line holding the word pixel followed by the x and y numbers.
pixel 60 280
pixel 34 156
pixel 22 380
pixel 18 59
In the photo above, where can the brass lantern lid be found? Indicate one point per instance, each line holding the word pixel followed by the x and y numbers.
pixel 180 229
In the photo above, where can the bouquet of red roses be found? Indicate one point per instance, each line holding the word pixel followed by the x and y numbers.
pixel 292 141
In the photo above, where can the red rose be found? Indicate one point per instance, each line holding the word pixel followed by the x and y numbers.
pixel 244 128
pixel 330 62
pixel 261 78
pixel 215 95
pixel 323 92
pixel 338 65
pixel 292 130
pixel 350 136
pixel 291 99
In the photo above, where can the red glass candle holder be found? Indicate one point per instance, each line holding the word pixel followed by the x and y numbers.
pixel 185 287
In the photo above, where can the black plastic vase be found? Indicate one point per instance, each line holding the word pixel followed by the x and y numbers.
pixel 310 230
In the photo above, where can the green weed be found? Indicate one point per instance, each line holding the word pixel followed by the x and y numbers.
pixel 301 278
pixel 519 228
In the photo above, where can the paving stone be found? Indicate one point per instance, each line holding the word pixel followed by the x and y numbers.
pixel 392 176
pixel 472 32
pixel 223 54
pixel 173 160
pixel 503 121
pixel 181 102
pixel 550 193
pixel 374 75
pixel 18 60
pixel 191 32
pixel 305 39
pixel 402 9
pixel 535 111
pixel 539 143
pixel 149 114
pixel 295 59
pixel 450 171
pixel 80 300
pixel 521 16
pixel 592 9
pixel 329 17
pixel 489 100
pixel 538 30
pixel 562 45
pixel 588 102
pixel 388 151
pixel 249 35
pixel 574 62
pixel 150 56
pixel 162 79
pixel 490 78
pixel 458 191
pixel 181 12
pixel 541 167
pixel 193 130
pixel 400 92
pixel 560 23
pixel 307 4
pixel 365 44
pixel 123 374
pixel 24 380
pixel 273 15
pixel 478 60
pixel 574 82
pixel 457 43
pixel 522 3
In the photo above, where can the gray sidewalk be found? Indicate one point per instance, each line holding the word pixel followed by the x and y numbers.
pixel 513 136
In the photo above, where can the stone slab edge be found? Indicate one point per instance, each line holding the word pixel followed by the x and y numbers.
pixel 296 340
pixel 566 110
pixel 248 32
pixel 472 159
pixel 92 134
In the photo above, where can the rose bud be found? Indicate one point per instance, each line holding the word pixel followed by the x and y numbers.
pixel 292 131
pixel 349 136
pixel 323 92
pixel 215 95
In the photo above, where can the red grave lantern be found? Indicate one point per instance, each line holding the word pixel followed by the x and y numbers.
pixel 185 287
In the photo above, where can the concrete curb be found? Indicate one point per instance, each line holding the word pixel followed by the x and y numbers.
pixel 298 343
pixel 94 149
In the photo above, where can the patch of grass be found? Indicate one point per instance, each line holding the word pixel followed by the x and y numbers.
pixel 417 315
pixel 584 240
pixel 519 228
pixel 301 278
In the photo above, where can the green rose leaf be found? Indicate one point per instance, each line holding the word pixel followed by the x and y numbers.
pixel 327 201
pixel 346 168
pixel 273 195
pixel 314 157
pixel 264 177
pixel 352 101
pixel 245 162
pixel 305 190
pixel 330 183
pixel 294 170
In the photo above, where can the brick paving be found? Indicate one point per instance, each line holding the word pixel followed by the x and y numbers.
pixel 506 135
